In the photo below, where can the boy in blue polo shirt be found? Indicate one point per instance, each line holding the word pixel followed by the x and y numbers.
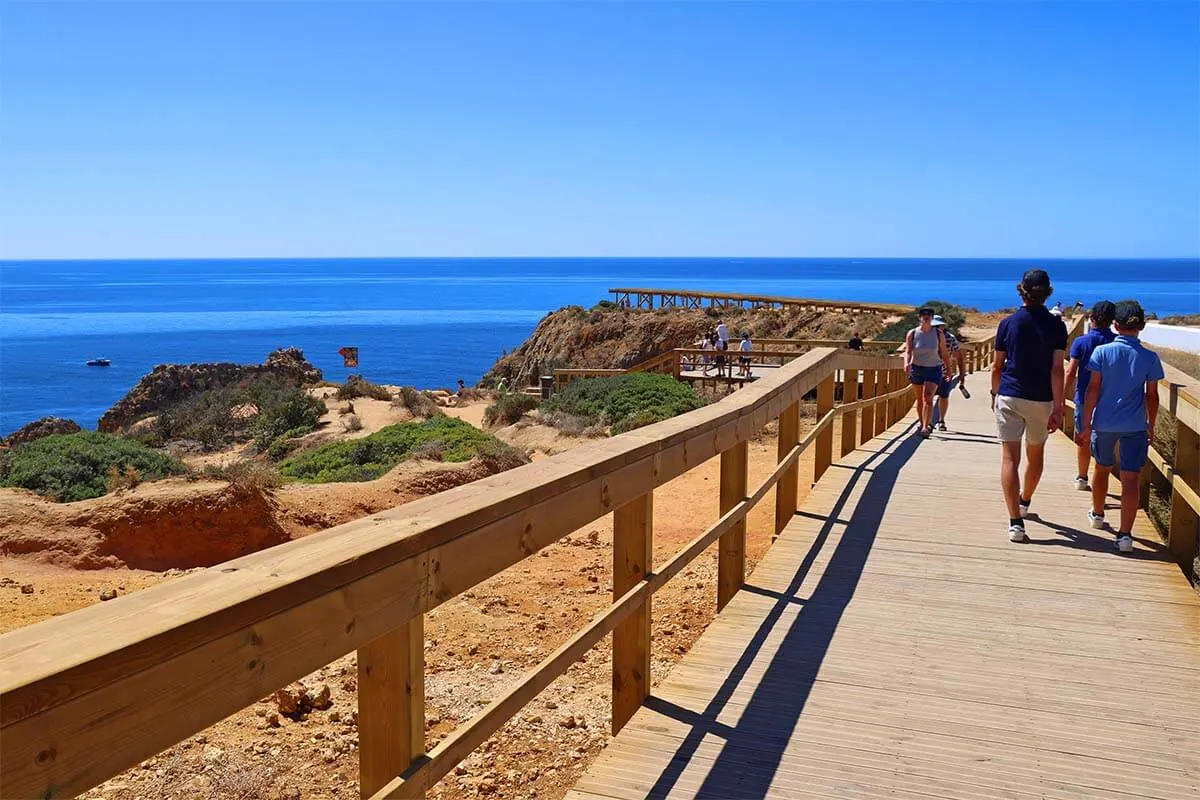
pixel 1101 319
pixel 1120 409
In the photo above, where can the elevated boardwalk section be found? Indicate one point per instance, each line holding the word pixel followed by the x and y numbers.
pixel 893 643
pixel 686 298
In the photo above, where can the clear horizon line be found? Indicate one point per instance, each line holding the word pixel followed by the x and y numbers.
pixel 1195 257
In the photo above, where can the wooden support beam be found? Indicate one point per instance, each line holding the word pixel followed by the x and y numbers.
pixel 633 555
pixel 391 704
pixel 1182 536
pixel 881 410
pixel 789 483
pixel 731 559
pixel 823 452
pixel 867 429
pixel 850 418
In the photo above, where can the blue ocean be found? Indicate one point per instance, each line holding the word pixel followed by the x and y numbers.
pixel 428 321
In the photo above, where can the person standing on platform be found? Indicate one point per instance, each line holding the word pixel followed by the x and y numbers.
pixel 744 358
pixel 856 342
pixel 1027 393
pixel 723 334
pixel 1120 409
pixel 925 362
pixel 1099 332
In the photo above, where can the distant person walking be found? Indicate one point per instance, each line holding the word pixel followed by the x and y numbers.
pixel 958 358
pixel 723 333
pixel 1121 407
pixel 1100 321
pixel 1027 392
pixel 856 342
pixel 744 358
pixel 926 360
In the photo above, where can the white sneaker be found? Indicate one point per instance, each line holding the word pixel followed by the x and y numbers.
pixel 1016 533
pixel 1023 507
pixel 1124 543
pixel 1097 520
pixel 1082 485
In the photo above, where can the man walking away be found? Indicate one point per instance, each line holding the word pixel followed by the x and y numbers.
pixel 744 358
pixel 723 333
pixel 1100 332
pixel 855 342
pixel 948 383
pixel 1121 409
pixel 1027 392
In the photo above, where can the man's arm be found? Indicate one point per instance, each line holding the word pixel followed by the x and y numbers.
pixel 1089 403
pixel 1072 374
pixel 997 371
pixel 1056 387
pixel 962 364
pixel 1152 404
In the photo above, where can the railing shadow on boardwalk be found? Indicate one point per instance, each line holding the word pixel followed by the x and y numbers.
pixel 754 747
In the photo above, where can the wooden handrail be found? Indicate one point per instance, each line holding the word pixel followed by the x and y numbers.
pixel 722 299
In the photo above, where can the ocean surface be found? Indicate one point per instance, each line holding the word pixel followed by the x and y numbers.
pixel 427 322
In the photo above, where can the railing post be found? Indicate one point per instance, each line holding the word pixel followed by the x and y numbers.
pixel 731 558
pixel 787 490
pixel 391 704
pixel 867 429
pixel 881 410
pixel 633 554
pixel 823 452
pixel 1185 523
pixel 892 407
pixel 849 418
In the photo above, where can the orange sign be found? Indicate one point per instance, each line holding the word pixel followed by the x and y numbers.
pixel 349 355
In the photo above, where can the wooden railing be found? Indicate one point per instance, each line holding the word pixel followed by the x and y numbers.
pixel 685 298
pixel 89 694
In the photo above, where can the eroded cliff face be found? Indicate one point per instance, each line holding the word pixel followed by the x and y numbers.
pixel 167 384
pixel 613 338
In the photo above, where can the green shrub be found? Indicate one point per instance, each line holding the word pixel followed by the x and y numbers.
pixel 77 466
pixel 285 417
pixel 955 317
pixel 509 408
pixel 357 386
pixel 370 457
pixel 626 401
pixel 418 403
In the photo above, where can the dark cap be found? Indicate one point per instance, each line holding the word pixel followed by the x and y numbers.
pixel 924 310
pixel 1130 314
pixel 1035 278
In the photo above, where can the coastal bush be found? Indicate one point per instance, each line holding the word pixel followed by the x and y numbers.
pixel 418 403
pixel 625 402
pixel 77 466
pixel 370 457
pixel 358 386
pixel 509 408
pixel 249 474
pixel 1180 319
pixel 954 315
pixel 286 416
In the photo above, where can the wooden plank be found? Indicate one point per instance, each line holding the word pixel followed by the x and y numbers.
pixel 731 560
pixel 850 390
pixel 868 417
pixel 1185 515
pixel 633 554
pixel 823 450
pixel 789 483
pixel 391 704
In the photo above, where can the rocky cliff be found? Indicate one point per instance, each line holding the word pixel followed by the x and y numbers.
pixel 46 426
pixel 610 338
pixel 167 384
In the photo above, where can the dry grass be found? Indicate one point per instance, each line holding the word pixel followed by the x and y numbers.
pixel 1188 363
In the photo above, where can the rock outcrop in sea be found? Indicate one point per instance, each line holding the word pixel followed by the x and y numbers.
pixel 168 384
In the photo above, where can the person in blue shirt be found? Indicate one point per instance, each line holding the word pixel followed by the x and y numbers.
pixel 1120 409
pixel 1027 393
pixel 1078 374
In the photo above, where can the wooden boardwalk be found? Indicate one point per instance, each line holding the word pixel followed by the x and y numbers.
pixel 893 643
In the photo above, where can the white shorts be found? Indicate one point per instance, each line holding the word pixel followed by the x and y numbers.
pixel 1017 417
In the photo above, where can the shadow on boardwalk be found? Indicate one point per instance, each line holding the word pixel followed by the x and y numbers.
pixel 754 747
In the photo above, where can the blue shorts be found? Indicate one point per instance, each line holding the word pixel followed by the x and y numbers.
pixel 1134 447
pixel 918 375
pixel 947 386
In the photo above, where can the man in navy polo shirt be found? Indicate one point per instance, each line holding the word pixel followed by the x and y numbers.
pixel 1027 392
pixel 1101 320
pixel 1121 407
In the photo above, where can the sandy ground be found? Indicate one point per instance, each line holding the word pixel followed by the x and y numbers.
pixel 477 644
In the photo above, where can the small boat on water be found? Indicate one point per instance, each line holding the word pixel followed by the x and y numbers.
pixel 98 362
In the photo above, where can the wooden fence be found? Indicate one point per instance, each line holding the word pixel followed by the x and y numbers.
pixel 89 694
pixel 684 298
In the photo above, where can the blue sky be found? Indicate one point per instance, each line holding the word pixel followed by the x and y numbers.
pixel 1054 129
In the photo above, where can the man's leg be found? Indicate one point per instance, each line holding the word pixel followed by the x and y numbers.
pixel 1083 457
pixel 943 406
pixel 1010 481
pixel 1036 454
pixel 1130 496
pixel 1099 488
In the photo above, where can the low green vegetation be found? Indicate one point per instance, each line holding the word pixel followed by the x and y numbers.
pixel 266 410
pixel 955 317
pixel 76 466
pixel 357 386
pixel 509 408
pixel 440 438
pixel 625 402
pixel 1181 319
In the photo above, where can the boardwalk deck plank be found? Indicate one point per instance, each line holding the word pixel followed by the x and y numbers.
pixel 893 643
